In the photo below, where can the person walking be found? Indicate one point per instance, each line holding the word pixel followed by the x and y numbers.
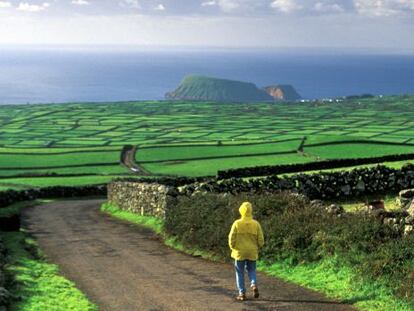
pixel 245 240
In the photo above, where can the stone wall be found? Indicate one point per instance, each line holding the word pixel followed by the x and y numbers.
pixel 324 185
pixel 153 197
pixel 149 199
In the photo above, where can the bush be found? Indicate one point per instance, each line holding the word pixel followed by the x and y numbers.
pixel 297 232
pixel 203 220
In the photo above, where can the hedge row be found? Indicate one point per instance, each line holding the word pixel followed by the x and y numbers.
pixel 9 197
pixel 310 166
pixel 328 185
pixel 300 232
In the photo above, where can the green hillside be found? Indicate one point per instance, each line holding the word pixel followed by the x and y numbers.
pixel 68 144
pixel 202 88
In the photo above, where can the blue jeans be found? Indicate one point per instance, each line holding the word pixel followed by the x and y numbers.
pixel 240 266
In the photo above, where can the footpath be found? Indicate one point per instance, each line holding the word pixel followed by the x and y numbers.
pixel 121 266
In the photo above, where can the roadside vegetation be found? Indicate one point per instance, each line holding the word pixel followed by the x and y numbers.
pixel 351 258
pixel 37 283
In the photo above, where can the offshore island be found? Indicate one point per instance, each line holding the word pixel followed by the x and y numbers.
pixel 203 88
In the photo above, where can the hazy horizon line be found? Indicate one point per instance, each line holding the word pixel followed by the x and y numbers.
pixel 210 48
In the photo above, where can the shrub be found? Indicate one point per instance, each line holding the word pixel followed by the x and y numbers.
pixel 297 232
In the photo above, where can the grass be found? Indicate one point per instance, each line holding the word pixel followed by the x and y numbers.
pixel 357 150
pixel 210 167
pixel 90 170
pixel 338 282
pixel 150 222
pixel 86 133
pixel 328 277
pixel 357 204
pixel 185 153
pixel 27 161
pixel 38 283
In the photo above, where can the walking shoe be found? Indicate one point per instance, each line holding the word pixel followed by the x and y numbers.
pixel 255 291
pixel 241 297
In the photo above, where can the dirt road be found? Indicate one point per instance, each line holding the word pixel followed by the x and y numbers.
pixel 123 267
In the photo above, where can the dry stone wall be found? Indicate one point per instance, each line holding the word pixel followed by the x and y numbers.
pixel 149 199
pixel 152 197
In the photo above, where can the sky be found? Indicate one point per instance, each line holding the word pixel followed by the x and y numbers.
pixel 341 24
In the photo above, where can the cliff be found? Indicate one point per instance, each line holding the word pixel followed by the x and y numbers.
pixel 282 92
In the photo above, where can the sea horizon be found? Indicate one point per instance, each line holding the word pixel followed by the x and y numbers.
pixel 65 74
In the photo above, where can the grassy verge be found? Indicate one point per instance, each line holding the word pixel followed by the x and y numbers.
pixel 150 222
pixel 339 282
pixel 328 276
pixel 38 283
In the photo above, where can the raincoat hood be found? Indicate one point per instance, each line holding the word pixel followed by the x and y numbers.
pixel 246 210
pixel 246 235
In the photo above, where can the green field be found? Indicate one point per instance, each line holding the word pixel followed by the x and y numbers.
pixel 192 139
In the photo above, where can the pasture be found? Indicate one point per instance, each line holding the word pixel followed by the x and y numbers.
pixel 81 143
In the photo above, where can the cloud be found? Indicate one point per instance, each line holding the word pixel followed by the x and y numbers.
pixel 245 6
pixel 34 8
pixel 160 7
pixel 408 3
pixel 346 31
pixel 209 3
pixel 80 2
pixel 228 5
pixel 134 4
pixel 380 8
pixel 323 7
pixel 285 6
pixel 5 4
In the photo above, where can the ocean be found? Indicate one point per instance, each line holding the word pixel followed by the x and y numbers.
pixel 58 75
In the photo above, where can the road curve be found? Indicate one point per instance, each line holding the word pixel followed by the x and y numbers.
pixel 124 267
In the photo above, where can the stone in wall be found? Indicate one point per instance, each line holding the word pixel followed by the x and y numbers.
pixel 405 197
pixel 410 209
pixel 149 199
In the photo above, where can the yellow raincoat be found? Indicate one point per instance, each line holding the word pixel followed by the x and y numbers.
pixel 246 235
